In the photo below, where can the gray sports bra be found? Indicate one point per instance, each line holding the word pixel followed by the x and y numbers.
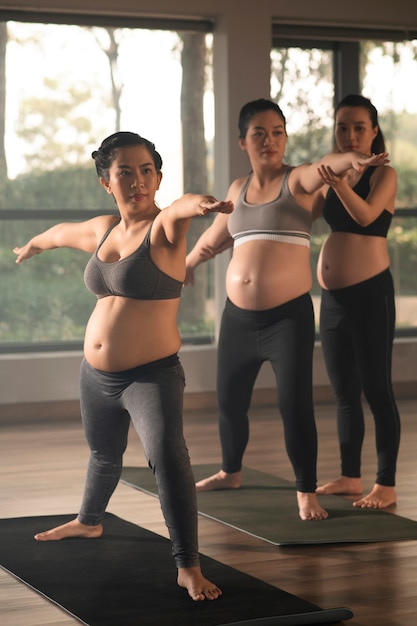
pixel 281 220
pixel 135 276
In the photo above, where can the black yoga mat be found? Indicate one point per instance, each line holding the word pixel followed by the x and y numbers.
pixel 127 577
pixel 266 507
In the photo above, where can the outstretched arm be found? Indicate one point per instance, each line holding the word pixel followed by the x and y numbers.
pixel 176 218
pixel 168 235
pixel 215 239
pixel 79 235
pixel 308 178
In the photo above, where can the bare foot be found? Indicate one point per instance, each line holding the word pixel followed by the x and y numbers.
pixel 309 507
pixel 221 480
pixel 380 498
pixel 70 529
pixel 198 587
pixel 343 486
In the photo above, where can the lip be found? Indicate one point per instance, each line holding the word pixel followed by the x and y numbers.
pixel 137 196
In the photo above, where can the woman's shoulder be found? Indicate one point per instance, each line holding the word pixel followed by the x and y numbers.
pixel 104 220
pixel 239 182
pixel 236 187
pixel 383 173
pixel 102 224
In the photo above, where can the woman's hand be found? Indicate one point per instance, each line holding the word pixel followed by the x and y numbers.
pixel 204 254
pixel 360 161
pixel 26 252
pixel 209 204
pixel 329 177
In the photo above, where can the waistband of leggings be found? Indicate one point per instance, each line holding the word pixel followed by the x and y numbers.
pixel 383 277
pixel 281 310
pixel 168 361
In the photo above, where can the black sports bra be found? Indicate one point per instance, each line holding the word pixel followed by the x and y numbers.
pixel 339 219
pixel 135 276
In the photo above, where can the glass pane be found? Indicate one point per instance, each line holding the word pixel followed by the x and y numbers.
pixel 43 300
pixel 74 86
pixel 302 83
pixel 389 75
pixel 402 245
pixel 389 72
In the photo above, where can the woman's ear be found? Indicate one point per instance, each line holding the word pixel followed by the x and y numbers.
pixel 106 184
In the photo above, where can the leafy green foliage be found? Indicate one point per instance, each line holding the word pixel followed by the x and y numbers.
pixel 71 187
pixel 44 299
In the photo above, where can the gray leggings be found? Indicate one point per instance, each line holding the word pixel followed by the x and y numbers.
pixel 151 396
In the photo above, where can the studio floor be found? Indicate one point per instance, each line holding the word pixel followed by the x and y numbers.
pixel 42 472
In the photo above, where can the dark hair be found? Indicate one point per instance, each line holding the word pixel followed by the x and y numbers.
pixel 356 100
pixel 106 153
pixel 250 109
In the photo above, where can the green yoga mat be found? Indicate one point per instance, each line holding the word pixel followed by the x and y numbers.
pixel 266 507
pixel 127 577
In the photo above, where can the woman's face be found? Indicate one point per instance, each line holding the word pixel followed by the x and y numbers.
pixel 133 179
pixel 265 139
pixel 354 130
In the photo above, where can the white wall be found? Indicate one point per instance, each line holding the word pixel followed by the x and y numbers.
pixel 242 40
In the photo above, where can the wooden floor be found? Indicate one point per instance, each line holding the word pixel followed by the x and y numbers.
pixel 42 473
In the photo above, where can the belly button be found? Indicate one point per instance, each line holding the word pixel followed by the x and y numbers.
pixel 246 281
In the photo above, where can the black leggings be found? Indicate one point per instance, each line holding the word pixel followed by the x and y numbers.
pixel 284 336
pixel 357 333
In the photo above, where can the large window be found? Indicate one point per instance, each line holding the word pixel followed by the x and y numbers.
pixel 68 84
pixel 67 87
pixel 307 79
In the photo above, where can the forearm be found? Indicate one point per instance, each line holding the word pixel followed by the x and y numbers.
pixel 358 208
pixel 177 217
pixel 57 236
pixel 310 176
pixel 340 162
pixel 208 246
pixel 187 207
pixel 199 254
pixel 194 258
pixel 47 240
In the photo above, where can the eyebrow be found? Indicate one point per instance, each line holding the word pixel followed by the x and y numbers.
pixel 122 166
pixel 357 122
pixel 263 127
